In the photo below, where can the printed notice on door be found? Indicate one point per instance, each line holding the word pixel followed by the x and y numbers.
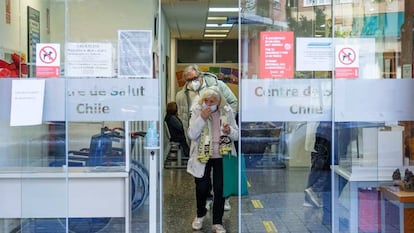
pixel 135 53
pixel 88 60
pixel 27 102
pixel 276 55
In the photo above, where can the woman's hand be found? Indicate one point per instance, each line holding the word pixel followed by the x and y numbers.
pixel 226 128
pixel 205 113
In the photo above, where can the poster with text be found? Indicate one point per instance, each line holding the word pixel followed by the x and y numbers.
pixel 276 55
pixel 314 54
pixel 135 53
pixel 89 60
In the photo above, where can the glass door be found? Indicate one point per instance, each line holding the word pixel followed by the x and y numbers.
pixel 320 136
pixel 81 116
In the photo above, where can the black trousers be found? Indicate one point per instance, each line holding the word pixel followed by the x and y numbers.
pixel 319 175
pixel 319 178
pixel 203 190
pixel 184 147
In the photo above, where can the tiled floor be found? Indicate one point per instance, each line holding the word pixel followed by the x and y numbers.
pixel 274 204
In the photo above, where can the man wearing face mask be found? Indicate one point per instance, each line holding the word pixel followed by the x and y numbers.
pixel 196 83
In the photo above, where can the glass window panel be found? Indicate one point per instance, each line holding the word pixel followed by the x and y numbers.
pixel 195 51
pixel 51 163
pixel 227 51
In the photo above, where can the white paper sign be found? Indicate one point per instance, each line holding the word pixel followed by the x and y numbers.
pixel 27 102
pixel 88 60
pixel 314 54
pixel 135 53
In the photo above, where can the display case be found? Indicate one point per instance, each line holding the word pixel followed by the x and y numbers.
pixel 372 148
pixel 368 161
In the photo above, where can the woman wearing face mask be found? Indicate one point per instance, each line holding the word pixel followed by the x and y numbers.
pixel 196 82
pixel 212 130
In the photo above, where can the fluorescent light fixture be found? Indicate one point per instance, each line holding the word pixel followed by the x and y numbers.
pixel 223 9
pixel 224 25
pixel 217 18
pixel 215 35
pixel 216 31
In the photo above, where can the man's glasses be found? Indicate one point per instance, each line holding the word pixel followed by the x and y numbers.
pixel 192 79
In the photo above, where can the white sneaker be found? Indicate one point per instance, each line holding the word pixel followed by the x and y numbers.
pixel 307 204
pixel 218 228
pixel 227 205
pixel 209 203
pixel 313 197
pixel 197 223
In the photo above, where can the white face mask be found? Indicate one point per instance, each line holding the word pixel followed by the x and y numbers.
pixel 213 108
pixel 195 85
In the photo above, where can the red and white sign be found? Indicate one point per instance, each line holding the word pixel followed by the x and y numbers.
pixel 47 60
pixel 346 61
pixel 276 55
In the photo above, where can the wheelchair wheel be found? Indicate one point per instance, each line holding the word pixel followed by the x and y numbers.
pixel 139 185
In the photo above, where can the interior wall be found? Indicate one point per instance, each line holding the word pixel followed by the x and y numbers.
pixel 165 73
pixel 86 26
pixel 166 52
pixel 14 35
pixel 173 83
pixel 10 32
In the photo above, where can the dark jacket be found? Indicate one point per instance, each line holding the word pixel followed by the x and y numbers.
pixel 175 126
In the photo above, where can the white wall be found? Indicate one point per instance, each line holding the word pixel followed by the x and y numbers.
pixel 98 20
pixel 14 35
pixel 10 36
pixel 91 21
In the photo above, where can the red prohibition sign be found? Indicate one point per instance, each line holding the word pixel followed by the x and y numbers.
pixel 347 56
pixel 48 54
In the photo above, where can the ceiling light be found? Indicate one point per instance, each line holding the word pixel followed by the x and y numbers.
pixel 224 25
pixel 215 35
pixel 223 9
pixel 216 31
pixel 217 18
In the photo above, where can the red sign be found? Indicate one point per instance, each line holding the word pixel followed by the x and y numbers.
pixel 276 55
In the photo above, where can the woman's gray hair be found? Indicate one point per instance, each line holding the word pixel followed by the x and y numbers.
pixel 214 92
